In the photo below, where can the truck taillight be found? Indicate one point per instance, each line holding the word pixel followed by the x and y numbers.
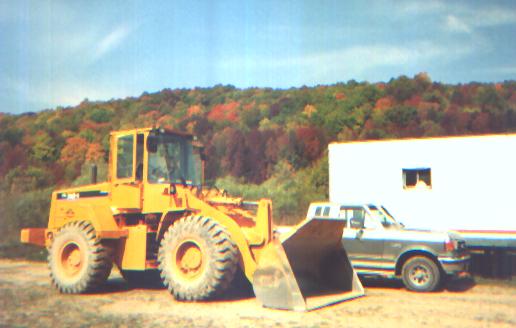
pixel 449 246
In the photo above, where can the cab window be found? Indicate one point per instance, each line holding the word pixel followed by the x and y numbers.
pixel 355 216
pixel 124 159
pixel 139 157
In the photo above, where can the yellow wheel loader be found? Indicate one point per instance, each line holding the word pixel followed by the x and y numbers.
pixel 153 216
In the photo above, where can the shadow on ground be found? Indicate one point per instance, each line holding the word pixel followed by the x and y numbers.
pixel 240 289
pixel 370 282
pixel 452 285
pixel 460 285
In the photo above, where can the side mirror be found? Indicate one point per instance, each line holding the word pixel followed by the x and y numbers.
pixel 152 143
pixel 386 224
pixel 355 223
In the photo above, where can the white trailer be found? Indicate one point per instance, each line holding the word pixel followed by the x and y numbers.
pixel 465 184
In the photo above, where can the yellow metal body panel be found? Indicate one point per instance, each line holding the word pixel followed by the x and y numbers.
pixel 126 196
pixel 132 249
pixel 90 203
pixel 156 198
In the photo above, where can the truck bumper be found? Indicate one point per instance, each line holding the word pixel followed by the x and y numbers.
pixel 456 266
pixel 35 236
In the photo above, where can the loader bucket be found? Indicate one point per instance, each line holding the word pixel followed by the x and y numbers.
pixel 306 268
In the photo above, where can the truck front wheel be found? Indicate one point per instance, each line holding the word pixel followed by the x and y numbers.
pixel 78 261
pixel 421 274
pixel 197 258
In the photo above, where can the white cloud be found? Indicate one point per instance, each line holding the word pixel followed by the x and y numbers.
pixel 357 57
pixel 493 16
pixel 455 24
pixel 466 19
pixel 509 70
pixel 459 17
pixel 111 41
pixel 414 7
pixel 63 92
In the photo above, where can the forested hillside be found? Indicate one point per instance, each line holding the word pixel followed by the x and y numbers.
pixel 259 142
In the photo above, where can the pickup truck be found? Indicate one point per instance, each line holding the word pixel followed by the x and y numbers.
pixel 380 246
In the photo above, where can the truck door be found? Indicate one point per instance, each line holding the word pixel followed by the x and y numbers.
pixel 127 163
pixel 362 240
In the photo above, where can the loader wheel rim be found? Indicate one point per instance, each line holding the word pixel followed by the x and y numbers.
pixel 189 259
pixel 72 259
pixel 419 275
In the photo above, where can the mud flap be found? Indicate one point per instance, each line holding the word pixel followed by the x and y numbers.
pixel 306 268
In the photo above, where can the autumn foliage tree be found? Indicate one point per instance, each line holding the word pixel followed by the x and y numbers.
pixel 275 139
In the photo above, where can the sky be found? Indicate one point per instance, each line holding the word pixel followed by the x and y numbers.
pixel 58 53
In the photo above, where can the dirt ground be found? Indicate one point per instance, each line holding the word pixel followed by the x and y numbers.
pixel 28 300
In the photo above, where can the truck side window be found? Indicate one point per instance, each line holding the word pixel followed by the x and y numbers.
pixel 124 159
pixel 318 211
pixel 326 211
pixel 356 218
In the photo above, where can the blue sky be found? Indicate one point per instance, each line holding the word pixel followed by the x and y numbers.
pixel 57 53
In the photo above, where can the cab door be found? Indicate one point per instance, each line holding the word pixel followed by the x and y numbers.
pixel 126 184
pixel 363 242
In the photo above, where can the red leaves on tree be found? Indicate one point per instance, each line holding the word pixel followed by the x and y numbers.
pixel 414 101
pixel 224 112
pixel 384 103
pixel 11 157
pixel 74 151
pixel 95 152
pixel 311 142
pixel 193 110
pixel 480 123
pixel 340 96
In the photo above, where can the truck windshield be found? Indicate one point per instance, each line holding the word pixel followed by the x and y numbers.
pixel 383 216
pixel 174 161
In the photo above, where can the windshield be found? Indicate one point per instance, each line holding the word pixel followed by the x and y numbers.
pixel 382 215
pixel 174 162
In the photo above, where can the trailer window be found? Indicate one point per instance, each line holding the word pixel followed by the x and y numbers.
pixel 420 178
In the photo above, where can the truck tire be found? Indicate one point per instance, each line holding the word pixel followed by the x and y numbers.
pixel 197 259
pixel 421 274
pixel 78 261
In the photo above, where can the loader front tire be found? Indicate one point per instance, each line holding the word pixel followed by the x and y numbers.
pixel 78 261
pixel 197 259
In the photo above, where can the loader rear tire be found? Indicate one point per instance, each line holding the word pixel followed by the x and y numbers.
pixel 197 259
pixel 78 261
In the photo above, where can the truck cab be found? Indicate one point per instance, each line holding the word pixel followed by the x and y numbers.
pixel 379 245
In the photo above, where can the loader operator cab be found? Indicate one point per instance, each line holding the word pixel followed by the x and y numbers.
pixel 171 158
pixel 146 161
